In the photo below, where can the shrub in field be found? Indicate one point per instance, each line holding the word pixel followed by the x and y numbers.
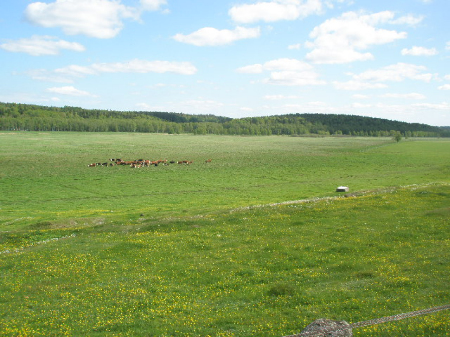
pixel 281 289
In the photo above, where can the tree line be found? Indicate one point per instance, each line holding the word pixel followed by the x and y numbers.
pixel 14 116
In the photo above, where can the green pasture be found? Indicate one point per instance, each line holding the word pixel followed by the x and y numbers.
pixel 255 243
pixel 44 176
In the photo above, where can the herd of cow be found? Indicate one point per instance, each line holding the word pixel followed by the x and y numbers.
pixel 143 162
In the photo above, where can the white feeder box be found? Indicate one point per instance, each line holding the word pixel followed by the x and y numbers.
pixel 342 189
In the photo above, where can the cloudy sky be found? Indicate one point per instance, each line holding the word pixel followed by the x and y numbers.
pixel 235 58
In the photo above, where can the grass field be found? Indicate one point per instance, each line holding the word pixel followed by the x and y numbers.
pixel 212 249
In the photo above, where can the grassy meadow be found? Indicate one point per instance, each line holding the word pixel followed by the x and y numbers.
pixel 255 243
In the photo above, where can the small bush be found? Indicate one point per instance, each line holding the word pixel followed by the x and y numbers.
pixel 281 289
pixel 41 225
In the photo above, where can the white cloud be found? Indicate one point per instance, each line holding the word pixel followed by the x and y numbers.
pixel 444 87
pixel 359 96
pixel 75 71
pixel 294 78
pixel 275 10
pixel 433 106
pixel 447 46
pixel 317 104
pixel 330 4
pixel 342 39
pixel 144 106
pixel 396 73
pixel 419 51
pixel 143 66
pixel 278 97
pixel 66 74
pixel 357 85
pixel 209 36
pixel 409 19
pixel 68 90
pixel 372 79
pixel 294 46
pixel 48 76
pixel 152 5
pixel 41 45
pixel 251 69
pixel 412 95
pixel 360 105
pixel 93 18
pixel 286 64
pixel 286 71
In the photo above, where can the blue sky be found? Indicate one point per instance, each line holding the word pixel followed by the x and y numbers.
pixel 235 58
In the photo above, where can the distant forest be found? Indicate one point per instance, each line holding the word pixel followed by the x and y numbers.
pixel 29 117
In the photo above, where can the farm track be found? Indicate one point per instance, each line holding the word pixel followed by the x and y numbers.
pixel 316 200
pixel 346 195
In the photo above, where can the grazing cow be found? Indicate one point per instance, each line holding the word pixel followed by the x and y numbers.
pixel 208 161
pixel 92 165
